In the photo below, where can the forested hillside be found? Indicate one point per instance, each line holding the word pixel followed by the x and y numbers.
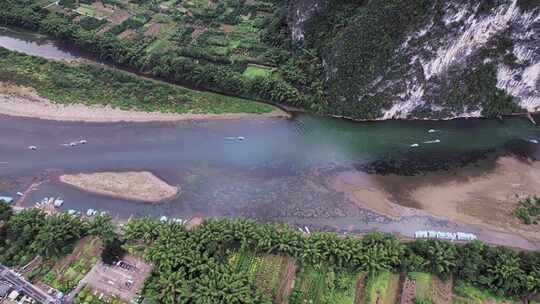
pixel 359 59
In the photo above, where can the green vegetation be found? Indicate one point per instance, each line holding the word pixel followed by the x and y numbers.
pixel 381 288
pixel 423 286
pixel 86 296
pixel 31 233
pixel 91 84
pixel 479 84
pixel 175 250
pixel 236 261
pixel 265 270
pixel 528 210
pixel 324 285
pixel 5 211
pixel 364 50
pixel 253 71
pixel 74 268
pixel 194 43
pixel 468 294
pixel 221 45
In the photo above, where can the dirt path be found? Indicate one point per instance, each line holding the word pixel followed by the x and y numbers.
pixel 287 276
pixel 392 291
pixel 408 290
pixel 442 291
pixel 359 293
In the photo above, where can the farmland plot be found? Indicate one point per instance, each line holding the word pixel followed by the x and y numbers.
pixel 423 286
pixel 381 288
pixel 68 271
pixel 270 272
pixel 465 293
pixel 323 285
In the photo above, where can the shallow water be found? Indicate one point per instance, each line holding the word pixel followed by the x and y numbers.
pixel 278 173
pixel 37 45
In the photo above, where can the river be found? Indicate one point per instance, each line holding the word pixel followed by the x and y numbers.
pixel 281 172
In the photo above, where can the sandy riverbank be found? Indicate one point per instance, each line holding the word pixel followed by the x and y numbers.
pixel 486 199
pixel 25 102
pixel 138 186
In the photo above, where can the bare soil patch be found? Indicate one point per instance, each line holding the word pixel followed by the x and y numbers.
pixel 198 31
pixel 408 291
pixel 194 222
pixel 126 34
pixel 119 16
pixel 78 251
pixel 227 28
pixel 365 192
pixel 139 186
pixel 153 30
pixel 124 280
pixel 104 29
pixel 484 197
pixel 287 276
pixel 104 10
pixel 25 102
pixel 392 290
pixel 359 293
pixel 487 200
pixel 442 291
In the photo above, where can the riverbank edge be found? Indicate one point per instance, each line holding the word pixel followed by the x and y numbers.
pixel 281 106
pixel 528 115
pixel 25 102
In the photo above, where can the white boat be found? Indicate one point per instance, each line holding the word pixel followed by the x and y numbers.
pixel 32 148
pixel 432 131
pixel 73 144
pixel 240 138
pixel 415 145
pixel 83 141
pixel 436 141
pixel 534 141
pixel 58 202
pixel 20 194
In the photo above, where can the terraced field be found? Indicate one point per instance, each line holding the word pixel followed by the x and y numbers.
pixel 218 32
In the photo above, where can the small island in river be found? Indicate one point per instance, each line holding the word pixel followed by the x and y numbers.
pixel 139 186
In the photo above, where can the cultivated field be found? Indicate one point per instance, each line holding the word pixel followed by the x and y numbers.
pixel 69 270
pixel 272 273
pixel 321 284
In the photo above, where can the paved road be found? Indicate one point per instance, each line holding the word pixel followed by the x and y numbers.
pixel 26 287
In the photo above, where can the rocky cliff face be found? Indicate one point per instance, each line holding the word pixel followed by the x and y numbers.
pixel 456 58
pixel 300 12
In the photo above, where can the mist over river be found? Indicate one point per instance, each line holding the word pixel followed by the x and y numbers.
pixel 283 170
